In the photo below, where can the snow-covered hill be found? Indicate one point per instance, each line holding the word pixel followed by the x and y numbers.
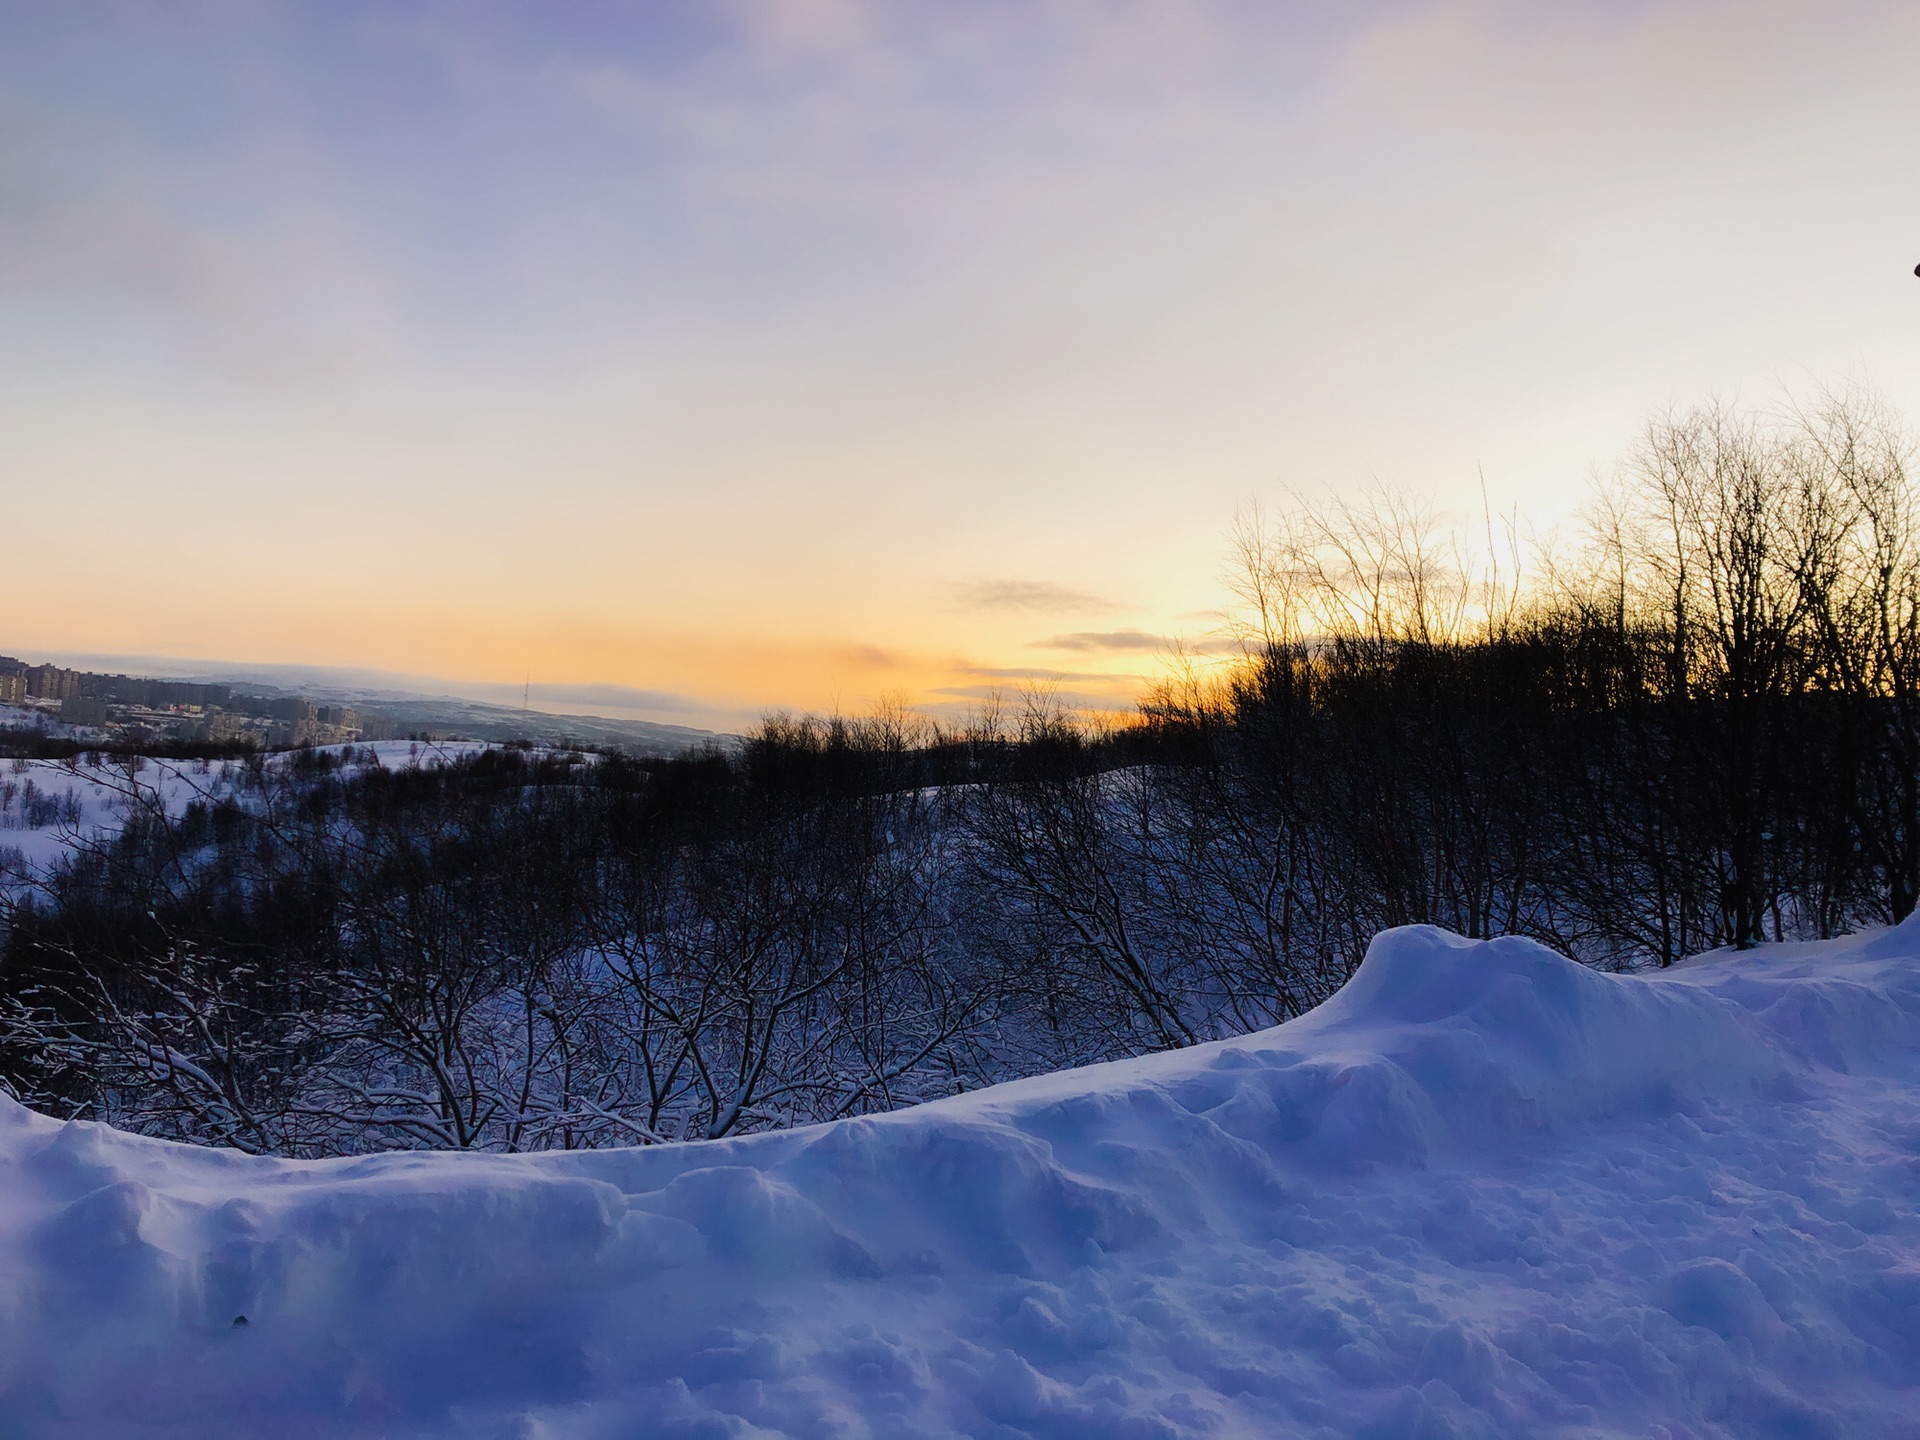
pixel 93 796
pixel 1484 1191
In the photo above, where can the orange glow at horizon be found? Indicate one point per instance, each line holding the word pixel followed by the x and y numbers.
pixel 712 677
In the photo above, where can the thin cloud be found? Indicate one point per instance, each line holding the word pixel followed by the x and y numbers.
pixel 1085 640
pixel 1037 595
pixel 867 657
pixel 1136 641
pixel 1017 672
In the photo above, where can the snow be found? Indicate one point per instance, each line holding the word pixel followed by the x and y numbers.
pixel 1482 1192
pixel 105 794
pixel 101 796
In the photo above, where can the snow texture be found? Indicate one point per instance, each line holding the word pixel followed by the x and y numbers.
pixel 97 796
pixel 1482 1192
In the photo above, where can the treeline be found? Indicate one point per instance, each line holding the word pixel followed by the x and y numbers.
pixel 520 949
pixel 1696 724
pixel 25 744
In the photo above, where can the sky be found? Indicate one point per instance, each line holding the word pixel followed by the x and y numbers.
pixel 709 358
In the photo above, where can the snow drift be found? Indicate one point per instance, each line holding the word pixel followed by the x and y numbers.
pixel 1484 1191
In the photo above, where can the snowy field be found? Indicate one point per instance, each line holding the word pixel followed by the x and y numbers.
pixel 1483 1192
pixel 93 801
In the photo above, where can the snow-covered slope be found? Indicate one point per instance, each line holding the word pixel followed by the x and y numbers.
pixel 1483 1191
pixel 98 795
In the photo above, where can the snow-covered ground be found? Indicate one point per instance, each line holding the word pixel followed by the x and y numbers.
pixel 96 798
pixel 1483 1192
pixel 27 717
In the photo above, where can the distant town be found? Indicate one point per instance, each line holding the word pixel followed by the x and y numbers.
pixel 131 711
pixel 131 708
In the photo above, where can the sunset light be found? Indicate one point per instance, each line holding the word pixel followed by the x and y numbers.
pixel 746 356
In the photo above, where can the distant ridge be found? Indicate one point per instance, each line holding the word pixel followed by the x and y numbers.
pixel 477 720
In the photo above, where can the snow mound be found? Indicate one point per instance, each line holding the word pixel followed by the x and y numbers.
pixel 1482 1192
